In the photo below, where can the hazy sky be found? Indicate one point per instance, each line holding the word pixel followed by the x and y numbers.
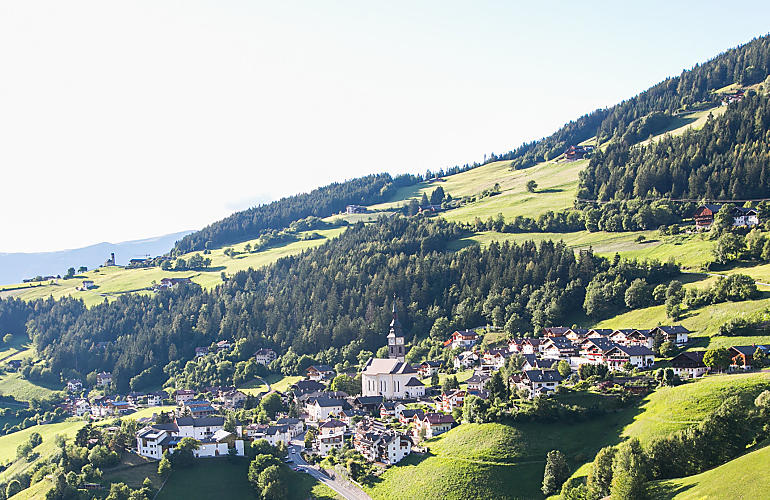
pixel 122 120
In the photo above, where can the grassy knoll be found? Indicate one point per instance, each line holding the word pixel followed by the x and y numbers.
pixel 18 343
pixel 34 492
pixel 745 477
pixel 496 460
pixel 9 443
pixel 691 251
pixel 461 377
pixel 112 281
pixel 686 121
pixel 12 384
pixel 254 387
pixel 672 408
pixel 132 472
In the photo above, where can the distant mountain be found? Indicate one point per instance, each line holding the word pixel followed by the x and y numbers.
pixel 14 267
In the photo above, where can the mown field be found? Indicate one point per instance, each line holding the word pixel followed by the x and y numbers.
pixel 12 384
pixel 10 442
pixel 744 478
pixel 113 281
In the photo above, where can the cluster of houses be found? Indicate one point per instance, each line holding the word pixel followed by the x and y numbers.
pixel 574 153
pixel 742 216
pixel 166 283
pixel 689 364
pixel 732 97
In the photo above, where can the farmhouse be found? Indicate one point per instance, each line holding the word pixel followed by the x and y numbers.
pixel 675 334
pixel 428 368
pixel 433 424
pixel 355 209
pixel 639 356
pixel 201 351
pixel 574 153
pixel 331 436
pixel 743 355
pixel 539 381
pixel 595 349
pixel 183 395
pixel 689 364
pixel 88 284
pixel 704 216
pixel 464 360
pixel 74 385
pixel 321 408
pixel 558 348
pixel 495 358
pixel 532 346
pixel 477 381
pixel 320 372
pixel 103 379
pixel 378 445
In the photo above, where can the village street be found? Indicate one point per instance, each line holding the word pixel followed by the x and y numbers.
pixel 345 488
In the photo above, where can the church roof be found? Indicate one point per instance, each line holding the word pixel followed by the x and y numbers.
pixel 379 366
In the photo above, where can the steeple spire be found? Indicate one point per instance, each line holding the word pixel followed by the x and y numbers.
pixel 396 348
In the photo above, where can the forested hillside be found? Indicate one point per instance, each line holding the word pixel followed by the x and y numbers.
pixel 320 202
pixel 331 302
pixel 729 158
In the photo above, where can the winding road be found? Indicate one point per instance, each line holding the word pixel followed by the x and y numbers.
pixel 344 488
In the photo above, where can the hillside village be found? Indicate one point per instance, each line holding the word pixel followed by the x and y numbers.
pixel 405 336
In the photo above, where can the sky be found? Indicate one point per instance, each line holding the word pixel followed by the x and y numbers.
pixel 126 120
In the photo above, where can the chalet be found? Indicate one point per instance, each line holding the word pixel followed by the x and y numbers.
pixel 156 398
pixel 433 424
pixel 595 350
pixel 275 434
pixel 465 360
pixel 689 364
pixel 391 409
pixel 451 400
pixel 410 416
pixel 139 263
pixel 539 381
pixel 233 399
pixel 320 372
pixel 428 368
pixel 495 358
pixel 465 339
pixel 369 404
pixel 558 348
pixel 515 344
pixel 599 332
pixel 81 407
pixel 355 209
pixel 201 351
pixel 704 216
pixel 574 153
pixel 265 356
pixel 321 408
pixel 577 334
pixel 632 336
pixel 639 356
pixel 331 436
pixel 675 334
pixel 13 364
pixel 743 355
pixel 306 387
pixel 87 285
pixel 183 395
pixel 532 362
pixel 379 445
pixel 74 385
pixel 732 97
pixel 477 381
pixel 352 415
pixel 223 345
pixel 103 379
pixel 255 431
pixel 555 331
pixel 172 282
pixel 532 346
pixel 295 425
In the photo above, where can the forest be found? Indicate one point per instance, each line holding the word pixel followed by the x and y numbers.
pixel 331 302
pixel 729 158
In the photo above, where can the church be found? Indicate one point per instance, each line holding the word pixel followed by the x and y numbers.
pixel 391 378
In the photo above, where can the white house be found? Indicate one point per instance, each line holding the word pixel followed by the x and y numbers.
pixel 433 424
pixel 103 379
pixel 183 395
pixel 265 356
pixel 465 340
pixel 295 425
pixel 465 360
pixel 321 408
pixel 676 334
pixel 331 436
pixel 539 381
pixel 428 368
pixel 74 385
pixel 155 398
pixel 390 378
pixel 152 441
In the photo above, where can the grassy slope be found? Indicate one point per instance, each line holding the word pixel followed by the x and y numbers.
pixel 12 384
pixel 115 280
pixel 742 478
pixel 672 408
pixel 9 443
pixel 34 492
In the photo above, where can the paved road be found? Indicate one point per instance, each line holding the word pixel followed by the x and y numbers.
pixel 343 487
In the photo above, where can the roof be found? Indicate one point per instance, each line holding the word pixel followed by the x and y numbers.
pixel 687 359
pixel 321 368
pixel 633 350
pixel 288 421
pixel 602 331
pixel 431 363
pixel 561 342
pixel 200 421
pixel 413 382
pixel 325 402
pixel 673 329
pixel 602 343
pixel 438 418
pixel 543 375
pixel 376 366
pixel 479 378
pixel 220 435
pixel 749 350
pixel 306 386
pixel 409 413
pixel 331 424
pixel 368 400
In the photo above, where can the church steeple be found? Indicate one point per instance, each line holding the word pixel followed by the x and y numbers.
pixel 396 348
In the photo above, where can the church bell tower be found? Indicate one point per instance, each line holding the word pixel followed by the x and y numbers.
pixel 396 348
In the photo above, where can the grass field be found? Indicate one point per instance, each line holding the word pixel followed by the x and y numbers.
pixel 744 478
pixel 12 384
pixel 672 408
pixel 461 377
pixel 684 122
pixel 254 387
pixel 557 185
pixel 112 281
pixel 9 443
pixel 213 477
pixel 34 492
pixel 496 460
pixel 691 251
pixel 281 383
pixel 9 350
